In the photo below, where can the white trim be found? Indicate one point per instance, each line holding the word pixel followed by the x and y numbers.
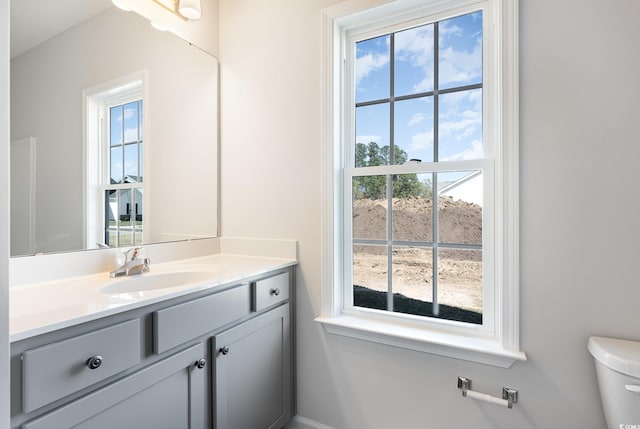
pixel 465 347
pixel 421 167
pixel 508 213
pixel 500 347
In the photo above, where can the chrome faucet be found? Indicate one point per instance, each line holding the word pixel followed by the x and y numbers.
pixel 132 264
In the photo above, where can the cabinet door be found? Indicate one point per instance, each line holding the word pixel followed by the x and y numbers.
pixel 253 373
pixel 168 394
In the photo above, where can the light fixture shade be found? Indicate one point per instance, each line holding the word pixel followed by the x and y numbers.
pixel 122 4
pixel 190 9
pixel 157 26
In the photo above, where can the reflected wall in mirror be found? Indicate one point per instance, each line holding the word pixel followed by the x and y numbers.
pixel 114 135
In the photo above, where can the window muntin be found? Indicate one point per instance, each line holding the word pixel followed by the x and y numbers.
pixel 417 237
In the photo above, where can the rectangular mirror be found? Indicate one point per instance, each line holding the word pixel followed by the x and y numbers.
pixel 113 130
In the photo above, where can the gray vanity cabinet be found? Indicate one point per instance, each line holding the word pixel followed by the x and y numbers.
pixel 168 394
pixel 252 373
pixel 218 358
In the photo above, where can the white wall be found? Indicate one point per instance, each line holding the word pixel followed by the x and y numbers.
pixel 579 203
pixel 4 213
pixel 181 112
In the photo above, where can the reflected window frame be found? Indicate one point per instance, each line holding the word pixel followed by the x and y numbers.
pixel 127 227
pixel 106 224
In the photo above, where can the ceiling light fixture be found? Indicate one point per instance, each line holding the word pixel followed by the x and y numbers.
pixel 190 9
pixel 121 4
pixel 183 9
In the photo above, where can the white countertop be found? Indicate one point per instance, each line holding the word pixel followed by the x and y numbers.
pixel 44 307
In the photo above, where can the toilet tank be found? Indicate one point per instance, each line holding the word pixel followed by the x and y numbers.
pixel 618 372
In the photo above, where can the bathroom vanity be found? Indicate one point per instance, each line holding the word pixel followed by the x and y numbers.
pixel 215 352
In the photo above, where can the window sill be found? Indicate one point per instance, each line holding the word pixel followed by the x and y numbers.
pixel 464 347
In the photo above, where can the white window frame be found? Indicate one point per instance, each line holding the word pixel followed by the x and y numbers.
pixel 106 185
pixel 97 101
pixel 496 342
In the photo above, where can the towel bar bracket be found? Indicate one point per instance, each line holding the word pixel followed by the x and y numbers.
pixel 510 395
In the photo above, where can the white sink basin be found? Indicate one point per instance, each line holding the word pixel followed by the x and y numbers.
pixel 148 282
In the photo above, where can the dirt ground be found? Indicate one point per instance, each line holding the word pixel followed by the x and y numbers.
pixel 459 271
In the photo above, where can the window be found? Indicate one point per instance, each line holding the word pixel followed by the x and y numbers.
pixel 123 220
pixel 417 243
pixel 421 176
pixel 115 163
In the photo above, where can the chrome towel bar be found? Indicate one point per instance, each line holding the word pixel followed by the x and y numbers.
pixel 509 396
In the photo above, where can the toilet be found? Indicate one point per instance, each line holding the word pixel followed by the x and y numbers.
pixel 618 372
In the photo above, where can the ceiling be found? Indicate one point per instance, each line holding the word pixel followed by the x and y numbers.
pixel 34 21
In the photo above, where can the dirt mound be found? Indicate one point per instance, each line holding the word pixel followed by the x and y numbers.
pixel 460 222
pixel 459 270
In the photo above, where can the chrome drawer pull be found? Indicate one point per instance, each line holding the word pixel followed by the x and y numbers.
pixel 224 350
pixel 275 291
pixel 94 362
pixel 201 363
pixel 632 388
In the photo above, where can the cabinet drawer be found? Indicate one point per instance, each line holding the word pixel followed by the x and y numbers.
pixel 168 394
pixel 178 324
pixel 270 291
pixel 53 371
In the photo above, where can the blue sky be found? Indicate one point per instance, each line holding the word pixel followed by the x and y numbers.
pixel 460 113
pixel 125 116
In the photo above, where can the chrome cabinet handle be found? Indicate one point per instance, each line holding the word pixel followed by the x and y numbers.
pixel 201 363
pixel 632 388
pixel 275 291
pixel 224 350
pixel 94 362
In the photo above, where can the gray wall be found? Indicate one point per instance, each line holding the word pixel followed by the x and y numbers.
pixel 579 203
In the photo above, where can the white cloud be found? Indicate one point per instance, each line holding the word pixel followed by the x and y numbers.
pixel 461 129
pixel 130 113
pixel 472 114
pixel 369 63
pixel 465 126
pixel 474 152
pixel 460 66
pixel 421 141
pixel 415 46
pixel 447 29
pixel 130 134
pixel 130 166
pixel 452 105
pixel 424 85
pixel 416 119
pixel 368 139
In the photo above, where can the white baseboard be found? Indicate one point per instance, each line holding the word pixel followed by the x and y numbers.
pixel 299 422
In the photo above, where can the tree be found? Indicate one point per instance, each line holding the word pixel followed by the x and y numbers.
pixel 375 187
